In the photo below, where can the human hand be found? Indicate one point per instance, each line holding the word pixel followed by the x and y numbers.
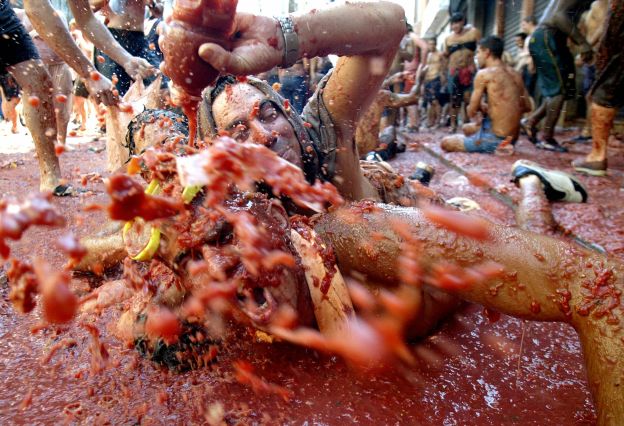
pixel 137 68
pixel 101 88
pixel 257 47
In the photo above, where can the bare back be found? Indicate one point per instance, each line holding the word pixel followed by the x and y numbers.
pixel 506 98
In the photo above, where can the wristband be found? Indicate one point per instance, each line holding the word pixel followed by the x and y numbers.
pixel 291 41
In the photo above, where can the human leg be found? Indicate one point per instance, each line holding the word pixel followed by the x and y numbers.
pixel 62 83
pixel 32 76
pixel 541 278
pixel 606 93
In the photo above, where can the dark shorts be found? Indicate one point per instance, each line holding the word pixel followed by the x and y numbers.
pixel 608 90
pixel 460 82
pixel 432 90
pixel 134 43
pixel 484 140
pixel 16 46
pixel 9 86
pixel 553 61
pixel 80 89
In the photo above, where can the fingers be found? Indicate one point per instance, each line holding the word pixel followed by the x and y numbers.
pixel 216 56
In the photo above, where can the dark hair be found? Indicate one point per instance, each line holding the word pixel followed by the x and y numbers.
pixel 530 20
pixel 457 17
pixel 493 44
pixel 222 82
pixel 433 39
pixel 178 122
pixel 522 35
pixel 409 26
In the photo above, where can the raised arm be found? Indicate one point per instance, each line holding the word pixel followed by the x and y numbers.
pixel 53 31
pixel 352 31
pixel 99 35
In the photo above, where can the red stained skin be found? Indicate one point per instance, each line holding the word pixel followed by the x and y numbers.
pixel 128 201
pixel 460 223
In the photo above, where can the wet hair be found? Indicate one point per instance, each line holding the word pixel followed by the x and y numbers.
pixel 179 123
pixel 222 82
pixel 493 44
pixel 522 35
pixel 530 20
pixel 457 17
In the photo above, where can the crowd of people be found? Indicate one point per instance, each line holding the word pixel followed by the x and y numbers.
pixel 344 106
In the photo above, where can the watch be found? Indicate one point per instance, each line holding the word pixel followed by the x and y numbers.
pixel 291 41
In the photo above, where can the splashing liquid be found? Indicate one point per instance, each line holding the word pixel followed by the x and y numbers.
pixel 193 23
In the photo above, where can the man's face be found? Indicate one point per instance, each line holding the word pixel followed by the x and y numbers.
pixel 482 55
pixel 525 27
pixel 431 45
pixel 519 42
pixel 150 134
pixel 249 116
pixel 457 27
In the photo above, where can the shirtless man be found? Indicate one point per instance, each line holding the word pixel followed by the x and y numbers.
pixel 434 78
pixel 413 68
pixel 499 95
pixel 460 48
pixel 338 100
pixel 555 66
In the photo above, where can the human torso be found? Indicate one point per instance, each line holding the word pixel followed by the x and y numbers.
pixel 434 65
pixel 125 15
pixel 504 90
pixel 462 47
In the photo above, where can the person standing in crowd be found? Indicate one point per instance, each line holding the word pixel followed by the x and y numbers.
pixel 412 69
pixel 607 92
pixel 434 78
pixel 10 99
pixel 497 103
pixel 460 47
pixel 527 26
pixel 591 26
pixel 20 58
pixel 61 78
pixel 125 22
pixel 555 66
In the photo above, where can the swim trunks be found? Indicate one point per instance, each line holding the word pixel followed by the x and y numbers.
pixel 16 46
pixel 432 90
pixel 459 82
pixel 484 140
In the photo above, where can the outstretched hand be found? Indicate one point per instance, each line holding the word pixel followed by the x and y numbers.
pixel 256 46
pixel 101 89
pixel 139 68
